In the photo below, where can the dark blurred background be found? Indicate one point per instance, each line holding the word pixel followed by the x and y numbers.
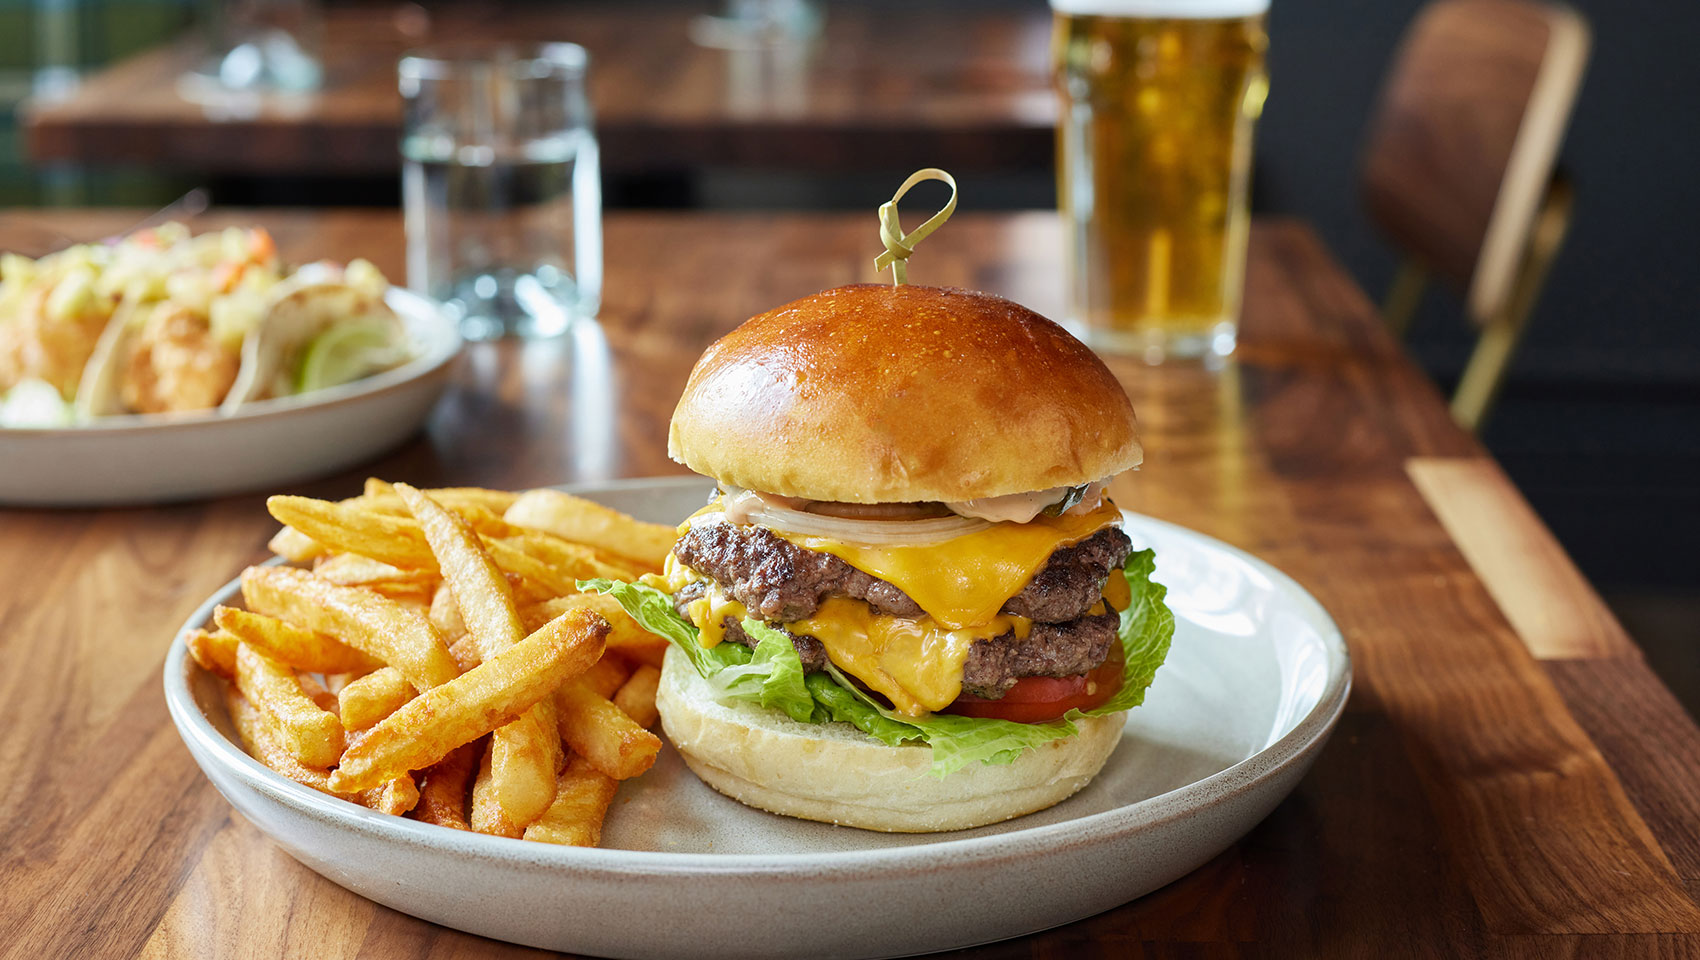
pixel 1599 424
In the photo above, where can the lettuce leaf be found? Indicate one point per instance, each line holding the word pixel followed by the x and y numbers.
pixel 780 672
pixel 772 675
pixel 1147 628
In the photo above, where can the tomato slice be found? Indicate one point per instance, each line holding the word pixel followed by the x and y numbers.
pixel 1038 699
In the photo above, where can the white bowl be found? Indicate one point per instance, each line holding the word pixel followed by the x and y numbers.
pixel 1256 678
pixel 152 458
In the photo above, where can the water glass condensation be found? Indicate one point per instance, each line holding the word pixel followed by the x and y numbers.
pixel 502 187
pixel 1158 101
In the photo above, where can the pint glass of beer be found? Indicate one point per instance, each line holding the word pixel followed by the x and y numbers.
pixel 1158 99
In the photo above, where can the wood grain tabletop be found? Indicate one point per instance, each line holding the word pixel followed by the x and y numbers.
pixel 1509 778
pixel 892 85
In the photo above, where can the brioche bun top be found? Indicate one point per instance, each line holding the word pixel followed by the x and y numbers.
pixel 879 394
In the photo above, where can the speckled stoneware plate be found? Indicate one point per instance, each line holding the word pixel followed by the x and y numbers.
pixel 1256 678
pixel 148 459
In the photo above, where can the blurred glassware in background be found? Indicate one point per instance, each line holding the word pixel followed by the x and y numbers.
pixel 502 187
pixel 261 46
pixel 1158 99
pixel 754 24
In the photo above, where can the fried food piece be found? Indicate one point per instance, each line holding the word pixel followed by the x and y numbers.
pixel 495 692
pixel 374 625
pixel 214 650
pixel 603 734
pixel 487 815
pixel 49 345
pixel 442 800
pixel 312 735
pixel 585 522
pixel 526 754
pixel 637 696
pixel 582 796
pixel 291 645
pixel 177 363
pixel 368 700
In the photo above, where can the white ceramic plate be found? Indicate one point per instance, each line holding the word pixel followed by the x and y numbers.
pixel 1256 678
pixel 145 459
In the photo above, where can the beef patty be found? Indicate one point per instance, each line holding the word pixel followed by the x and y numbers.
pixel 780 582
pixel 993 665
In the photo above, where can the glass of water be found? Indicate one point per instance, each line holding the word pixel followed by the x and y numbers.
pixel 502 187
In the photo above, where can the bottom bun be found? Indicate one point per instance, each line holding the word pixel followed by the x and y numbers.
pixel 834 773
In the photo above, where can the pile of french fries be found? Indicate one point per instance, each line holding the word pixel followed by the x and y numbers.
pixel 429 655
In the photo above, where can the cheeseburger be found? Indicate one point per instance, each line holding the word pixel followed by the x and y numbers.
pixel 910 605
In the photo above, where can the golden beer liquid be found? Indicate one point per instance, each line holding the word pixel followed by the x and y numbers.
pixel 1153 158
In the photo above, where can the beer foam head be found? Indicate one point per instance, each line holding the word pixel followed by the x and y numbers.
pixel 1163 9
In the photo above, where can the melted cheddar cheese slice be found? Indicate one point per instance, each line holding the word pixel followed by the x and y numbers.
pixel 916 663
pixel 962 582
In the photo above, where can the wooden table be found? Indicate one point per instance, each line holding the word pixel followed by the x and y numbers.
pixel 1508 779
pixel 884 87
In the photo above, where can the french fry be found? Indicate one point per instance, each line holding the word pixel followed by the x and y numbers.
pixel 488 523
pixel 648 656
pixel 312 735
pixel 400 541
pixel 442 800
pixel 366 701
pixel 291 645
pixel 621 568
pixel 295 546
pixel 512 558
pixel 481 593
pixel 582 521
pixel 637 696
pixel 394 798
pixel 445 615
pixel 487 814
pixel 605 676
pixel 582 796
pixel 377 626
pixel 525 755
pixel 316 692
pixel 602 733
pixel 214 650
pixel 418 605
pixel 263 744
pixel 623 631
pixel 350 528
pixel 414 596
pixel 465 652
pixel 334 682
pixel 382 493
pixel 416 615
pixel 354 570
pixel 573 560
pixel 430 725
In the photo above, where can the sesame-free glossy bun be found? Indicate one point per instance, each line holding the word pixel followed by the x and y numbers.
pixel 879 394
pixel 834 773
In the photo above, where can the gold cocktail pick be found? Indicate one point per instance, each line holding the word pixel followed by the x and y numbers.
pixel 899 245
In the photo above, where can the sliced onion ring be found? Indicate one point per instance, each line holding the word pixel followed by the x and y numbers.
pixel 879 511
pixel 878 533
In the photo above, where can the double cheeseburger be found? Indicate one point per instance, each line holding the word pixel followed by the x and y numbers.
pixel 910 567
